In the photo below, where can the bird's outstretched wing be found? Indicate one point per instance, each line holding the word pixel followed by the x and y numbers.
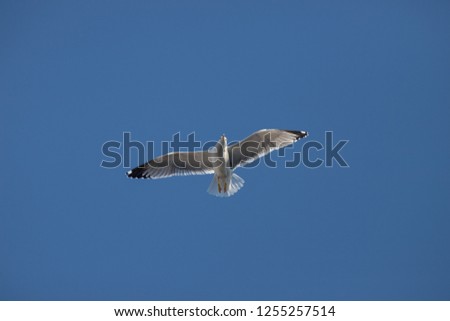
pixel 178 163
pixel 261 143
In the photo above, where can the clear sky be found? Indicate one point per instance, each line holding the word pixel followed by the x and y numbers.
pixel 75 75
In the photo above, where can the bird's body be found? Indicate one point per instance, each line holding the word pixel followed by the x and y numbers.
pixel 220 161
pixel 225 182
pixel 222 173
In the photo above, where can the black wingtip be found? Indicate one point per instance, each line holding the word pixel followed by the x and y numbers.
pixel 298 133
pixel 137 172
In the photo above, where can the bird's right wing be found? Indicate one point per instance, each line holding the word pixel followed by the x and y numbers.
pixel 261 143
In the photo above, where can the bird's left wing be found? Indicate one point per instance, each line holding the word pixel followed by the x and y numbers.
pixel 178 163
pixel 261 143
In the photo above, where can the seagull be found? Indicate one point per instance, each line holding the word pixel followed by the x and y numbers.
pixel 220 160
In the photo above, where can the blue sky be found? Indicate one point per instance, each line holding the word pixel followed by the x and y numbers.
pixel 75 75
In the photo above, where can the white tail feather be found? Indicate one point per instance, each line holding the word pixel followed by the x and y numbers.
pixel 234 184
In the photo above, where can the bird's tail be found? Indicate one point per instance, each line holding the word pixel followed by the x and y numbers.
pixel 233 184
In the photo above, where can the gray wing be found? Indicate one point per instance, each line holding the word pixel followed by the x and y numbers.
pixel 261 143
pixel 172 164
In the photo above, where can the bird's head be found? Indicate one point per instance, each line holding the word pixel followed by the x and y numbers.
pixel 223 140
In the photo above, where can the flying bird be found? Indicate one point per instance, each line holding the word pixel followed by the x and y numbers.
pixel 221 160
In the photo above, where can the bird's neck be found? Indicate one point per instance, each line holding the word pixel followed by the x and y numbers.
pixel 222 152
